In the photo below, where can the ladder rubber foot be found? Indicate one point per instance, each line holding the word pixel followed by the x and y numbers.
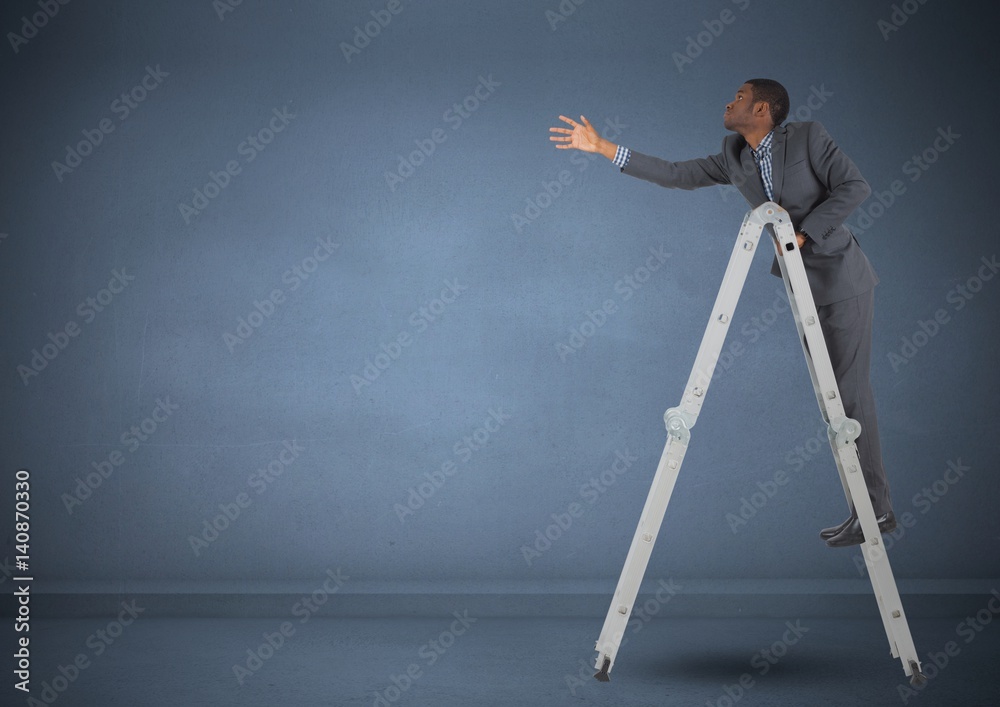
pixel 602 674
pixel 917 678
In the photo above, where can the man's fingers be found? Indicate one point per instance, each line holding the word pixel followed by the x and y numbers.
pixel 570 134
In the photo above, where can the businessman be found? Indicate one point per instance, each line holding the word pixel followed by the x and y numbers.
pixel 799 167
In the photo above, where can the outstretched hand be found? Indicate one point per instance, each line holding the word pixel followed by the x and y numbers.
pixel 583 136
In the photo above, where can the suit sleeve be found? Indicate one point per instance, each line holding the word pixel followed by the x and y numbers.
pixel 846 190
pixel 689 174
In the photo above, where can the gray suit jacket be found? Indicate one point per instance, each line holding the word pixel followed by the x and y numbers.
pixel 812 179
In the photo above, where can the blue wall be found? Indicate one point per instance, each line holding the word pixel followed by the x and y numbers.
pixel 457 281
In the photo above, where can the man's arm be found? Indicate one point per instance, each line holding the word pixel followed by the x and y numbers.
pixel 690 174
pixel 847 190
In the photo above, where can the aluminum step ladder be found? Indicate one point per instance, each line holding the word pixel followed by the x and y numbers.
pixel 841 430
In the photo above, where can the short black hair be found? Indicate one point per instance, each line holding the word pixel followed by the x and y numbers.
pixel 774 94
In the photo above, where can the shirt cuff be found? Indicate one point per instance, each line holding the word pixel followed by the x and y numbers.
pixel 622 155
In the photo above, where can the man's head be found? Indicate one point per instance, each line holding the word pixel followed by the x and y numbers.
pixel 760 104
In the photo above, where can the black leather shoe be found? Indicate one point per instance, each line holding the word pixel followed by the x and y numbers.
pixel 827 533
pixel 853 535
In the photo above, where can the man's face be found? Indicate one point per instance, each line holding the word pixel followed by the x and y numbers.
pixel 739 111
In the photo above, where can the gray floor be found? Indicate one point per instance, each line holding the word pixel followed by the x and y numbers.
pixel 504 662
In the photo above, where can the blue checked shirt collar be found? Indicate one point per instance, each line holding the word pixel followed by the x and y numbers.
pixel 762 156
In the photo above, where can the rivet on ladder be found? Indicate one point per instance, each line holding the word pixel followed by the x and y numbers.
pixel 853 468
pixel 748 245
pixel 830 395
pixel 896 614
pixel 723 318
pixel 810 320
pixel 623 609
pixel 647 537
pixel 874 541
pixel 698 392
pixel 672 464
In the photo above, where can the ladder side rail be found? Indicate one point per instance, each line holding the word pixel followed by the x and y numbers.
pixel 831 433
pixel 678 421
pixel 722 313
pixel 640 550
pixel 845 450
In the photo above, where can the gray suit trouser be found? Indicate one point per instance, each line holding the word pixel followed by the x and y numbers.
pixel 847 328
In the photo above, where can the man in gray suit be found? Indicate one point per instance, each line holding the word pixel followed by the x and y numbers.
pixel 799 167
